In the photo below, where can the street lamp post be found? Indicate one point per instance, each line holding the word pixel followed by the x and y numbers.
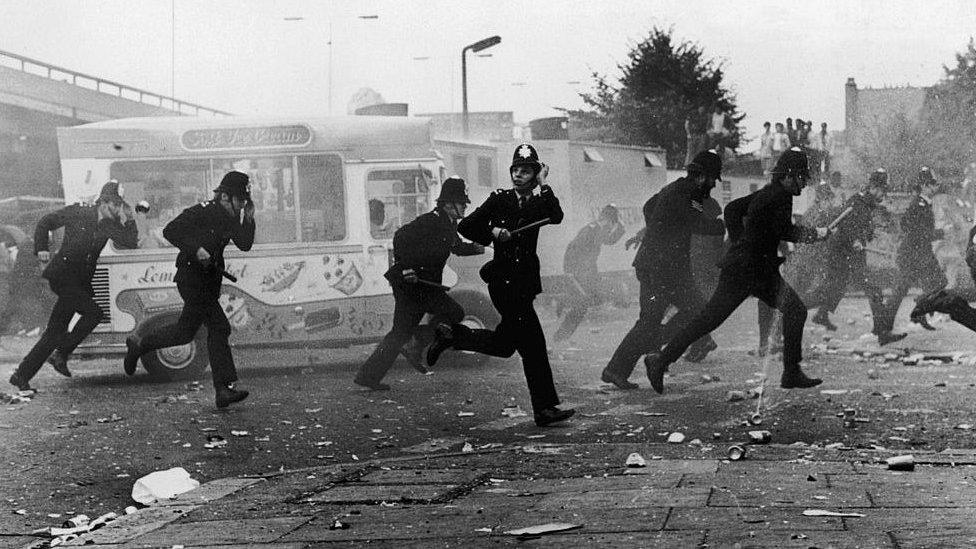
pixel 476 47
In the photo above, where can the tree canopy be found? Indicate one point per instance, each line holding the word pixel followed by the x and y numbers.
pixel 663 82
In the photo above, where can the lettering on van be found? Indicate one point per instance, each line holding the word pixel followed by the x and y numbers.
pixel 152 275
pixel 246 138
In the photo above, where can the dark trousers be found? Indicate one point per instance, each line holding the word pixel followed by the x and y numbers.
pixel 72 298
pixel 200 308
pixel 849 271
pixel 589 294
pixel 733 288
pixel 914 269
pixel 647 335
pixel 519 331
pixel 412 303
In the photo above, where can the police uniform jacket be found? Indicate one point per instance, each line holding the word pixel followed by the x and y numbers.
pixel 515 261
pixel 670 218
pixel 84 237
pixel 858 226
pixel 583 251
pixel 206 225
pixel 918 229
pixel 425 244
pixel 768 220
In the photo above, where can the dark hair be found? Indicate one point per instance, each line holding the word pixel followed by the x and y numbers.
pixel 766 124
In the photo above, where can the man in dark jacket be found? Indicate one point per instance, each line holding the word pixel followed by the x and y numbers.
pixel 580 263
pixel 663 264
pixel 846 260
pixel 751 268
pixel 420 251
pixel 201 233
pixel 87 227
pixel 915 260
pixel 509 220
pixel 951 302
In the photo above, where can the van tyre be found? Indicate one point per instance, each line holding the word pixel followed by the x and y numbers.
pixel 479 313
pixel 181 363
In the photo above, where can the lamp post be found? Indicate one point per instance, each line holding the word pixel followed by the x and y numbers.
pixel 476 47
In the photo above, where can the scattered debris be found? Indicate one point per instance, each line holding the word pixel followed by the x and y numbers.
pixel 215 441
pixel 736 452
pixel 541 529
pixel 676 438
pixel 110 419
pixel 239 433
pixel 825 513
pixel 163 485
pixel 465 414
pixel 833 392
pixel 706 378
pixel 467 448
pixel 513 411
pixel 760 437
pixel 901 463
pixel 636 460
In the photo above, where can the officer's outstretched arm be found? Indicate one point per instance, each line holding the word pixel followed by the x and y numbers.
pixel 477 226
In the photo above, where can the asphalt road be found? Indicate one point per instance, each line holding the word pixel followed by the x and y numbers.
pixel 79 446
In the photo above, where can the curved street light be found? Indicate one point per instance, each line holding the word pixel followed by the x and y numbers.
pixel 476 47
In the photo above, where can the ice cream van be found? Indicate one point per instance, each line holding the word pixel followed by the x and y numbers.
pixel 328 193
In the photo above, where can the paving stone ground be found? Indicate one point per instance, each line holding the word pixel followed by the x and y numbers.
pixel 473 499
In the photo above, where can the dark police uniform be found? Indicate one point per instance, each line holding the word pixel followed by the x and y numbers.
pixel 580 262
pixel 424 246
pixel 207 225
pixel 663 268
pixel 846 263
pixel 751 268
pixel 69 273
pixel 513 282
pixel 915 259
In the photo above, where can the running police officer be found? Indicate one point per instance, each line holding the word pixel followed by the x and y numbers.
pixel 513 279
pixel 420 251
pixel 201 233
pixel 580 263
pixel 751 267
pixel 87 227
pixel 663 264
pixel 915 260
pixel 846 260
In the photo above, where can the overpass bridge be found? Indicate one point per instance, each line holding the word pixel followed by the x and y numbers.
pixel 37 97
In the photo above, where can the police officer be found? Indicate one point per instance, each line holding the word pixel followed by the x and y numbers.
pixel 513 279
pixel 201 233
pixel 87 227
pixel 580 263
pixel 846 261
pixel 663 264
pixel 420 251
pixel 751 267
pixel 915 260
pixel 951 302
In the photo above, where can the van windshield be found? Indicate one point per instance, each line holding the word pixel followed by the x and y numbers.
pixel 296 198
pixel 394 198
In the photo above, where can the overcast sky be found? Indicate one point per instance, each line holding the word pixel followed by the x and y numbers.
pixel 781 58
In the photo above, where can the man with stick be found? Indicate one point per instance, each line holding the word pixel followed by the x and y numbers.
pixel 751 268
pixel 201 233
pixel 510 220
pixel 663 265
pixel 420 251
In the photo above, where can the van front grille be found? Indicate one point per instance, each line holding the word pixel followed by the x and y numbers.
pixel 102 295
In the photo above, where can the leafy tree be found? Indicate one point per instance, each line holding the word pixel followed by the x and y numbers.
pixel 663 82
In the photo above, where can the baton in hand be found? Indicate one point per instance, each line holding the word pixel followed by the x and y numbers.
pixel 538 223
pixel 833 224
pixel 433 284
pixel 228 276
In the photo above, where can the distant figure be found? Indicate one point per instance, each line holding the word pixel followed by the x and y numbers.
pixel 696 126
pixel 781 142
pixel 87 228
pixel 378 226
pixel 718 130
pixel 790 132
pixel 766 148
pixel 580 263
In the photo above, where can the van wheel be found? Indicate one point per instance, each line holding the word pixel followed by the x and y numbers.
pixel 478 310
pixel 179 363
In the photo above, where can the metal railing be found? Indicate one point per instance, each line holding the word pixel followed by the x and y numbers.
pixel 104 86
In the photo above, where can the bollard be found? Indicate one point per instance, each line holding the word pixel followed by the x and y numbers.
pixel 736 452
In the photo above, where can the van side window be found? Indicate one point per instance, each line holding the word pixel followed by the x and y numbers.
pixel 169 186
pixel 323 200
pixel 394 198
pixel 273 193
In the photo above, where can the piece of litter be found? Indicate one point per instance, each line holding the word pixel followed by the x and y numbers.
pixel 467 447
pixel 240 433
pixel 825 513
pixel 484 530
pixel 676 438
pixel 636 460
pixel 832 392
pixel 540 529
pixel 465 414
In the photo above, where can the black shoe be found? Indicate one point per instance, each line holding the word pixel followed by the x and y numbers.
pixel 824 320
pixel 443 339
pixel 132 354
pixel 890 337
pixel 699 352
pixel 621 382
pixel 229 395
pixel 798 380
pixel 552 415
pixel 20 383
pixel 939 301
pixel 655 371
pixel 922 321
pixel 374 385
pixel 60 363
pixel 413 352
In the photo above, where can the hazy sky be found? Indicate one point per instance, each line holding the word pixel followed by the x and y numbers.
pixel 782 58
